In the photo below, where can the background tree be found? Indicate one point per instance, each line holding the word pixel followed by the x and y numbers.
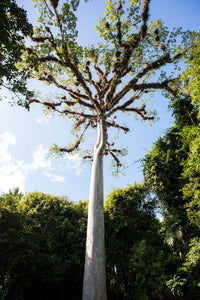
pixel 191 134
pixel 171 169
pixel 42 239
pixel 96 84
pixel 14 27
pixel 42 243
pixel 191 171
pixel 134 247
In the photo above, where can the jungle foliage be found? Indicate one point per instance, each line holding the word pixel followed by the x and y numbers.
pixel 42 244
pixel 171 170
pixel 14 28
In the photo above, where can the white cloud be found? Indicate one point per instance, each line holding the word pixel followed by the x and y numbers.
pixel 11 177
pixel 54 178
pixel 14 173
pixel 6 139
pixel 74 162
pixel 39 120
pixel 39 158
pixel 44 119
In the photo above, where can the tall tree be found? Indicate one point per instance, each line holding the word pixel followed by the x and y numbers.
pixel 97 84
pixel 14 27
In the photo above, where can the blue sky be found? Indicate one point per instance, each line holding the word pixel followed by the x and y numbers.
pixel 25 137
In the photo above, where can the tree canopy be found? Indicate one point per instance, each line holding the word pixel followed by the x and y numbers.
pixel 106 79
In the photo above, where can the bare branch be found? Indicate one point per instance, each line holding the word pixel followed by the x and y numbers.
pixel 53 106
pixel 75 95
pixel 75 113
pixel 88 157
pixel 172 91
pixel 69 150
pixel 79 121
pixel 76 144
pixel 70 103
pixel 113 124
pixel 140 111
pixel 99 71
pixel 52 14
pixel 116 159
pixel 127 103
pixel 132 83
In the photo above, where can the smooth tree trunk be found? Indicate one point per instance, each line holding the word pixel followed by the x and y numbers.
pixel 94 284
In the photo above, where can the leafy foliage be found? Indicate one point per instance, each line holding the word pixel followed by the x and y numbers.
pixel 14 27
pixel 133 245
pixel 172 170
pixel 191 78
pixel 163 168
pixel 42 247
pixel 42 244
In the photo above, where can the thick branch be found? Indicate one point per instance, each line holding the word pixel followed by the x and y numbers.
pixel 145 16
pixel 118 26
pixel 53 44
pixel 81 102
pixel 151 85
pixel 161 61
pixel 51 105
pixel 171 91
pixel 51 58
pixel 112 88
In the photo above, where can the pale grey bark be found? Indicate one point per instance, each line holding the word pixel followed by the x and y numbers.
pixel 94 285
